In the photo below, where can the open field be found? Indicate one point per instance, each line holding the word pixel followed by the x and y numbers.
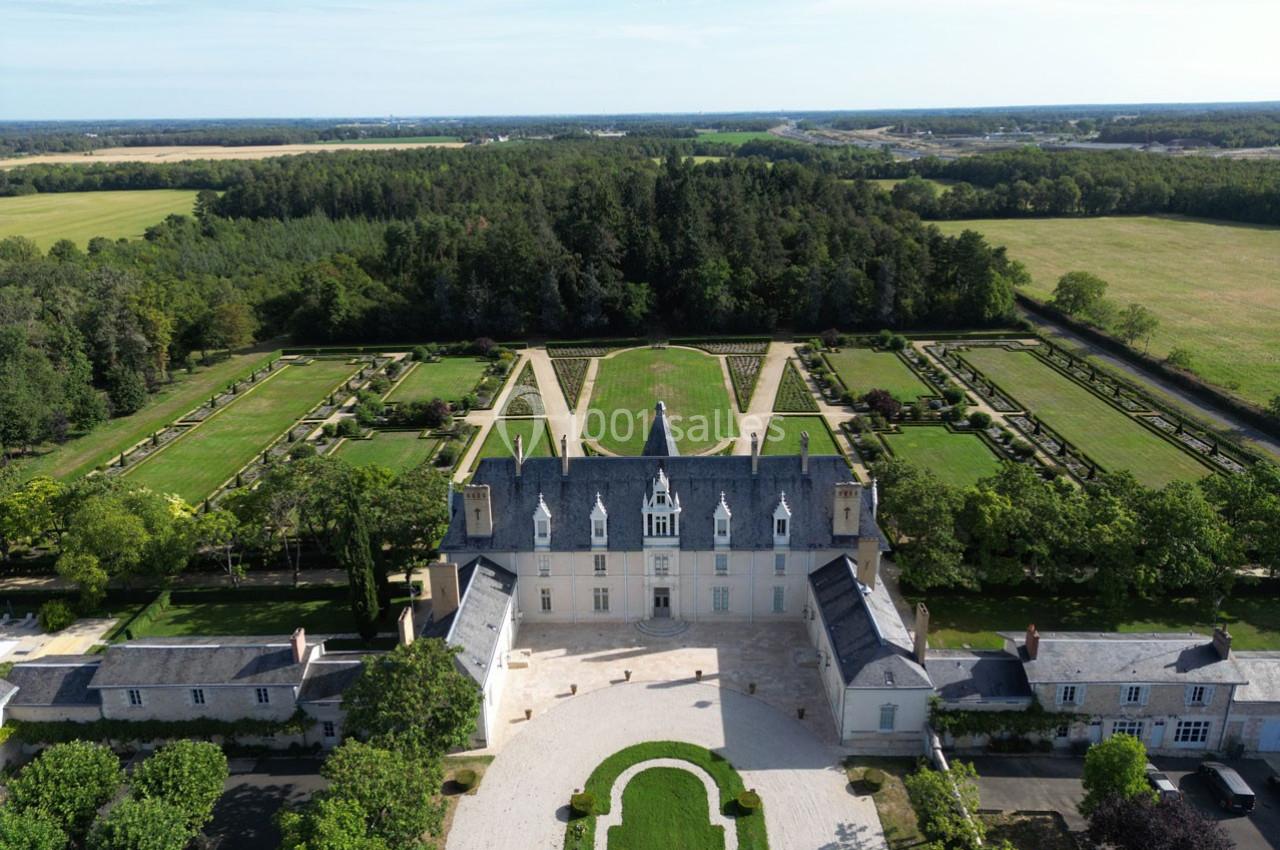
pixel 957 459
pixel 1213 285
pixel 783 436
pixel 395 450
pixel 690 383
pixel 400 140
pixel 501 439
pixel 887 183
pixel 80 216
pixel 195 464
pixel 450 379
pixel 961 619
pixel 182 153
pixel 736 137
pixel 863 369
pixel 1110 437
pixel 80 455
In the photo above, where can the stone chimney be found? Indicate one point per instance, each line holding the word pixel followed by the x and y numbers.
pixel 443 580
pixel 1032 642
pixel 922 633
pixel 564 455
pixel 519 453
pixel 868 561
pixel 755 454
pixel 875 499
pixel 404 626
pixel 804 452
pixel 475 499
pixel 1222 641
pixel 846 509
pixel 298 643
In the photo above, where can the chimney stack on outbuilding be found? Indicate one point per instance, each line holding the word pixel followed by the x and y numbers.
pixel 404 626
pixel 298 643
pixel 755 454
pixel 519 453
pixel 804 452
pixel 443 580
pixel 1222 641
pixel 564 455
pixel 922 633
pixel 1032 642
pixel 868 561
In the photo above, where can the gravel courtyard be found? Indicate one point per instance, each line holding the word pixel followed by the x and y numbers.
pixel 522 804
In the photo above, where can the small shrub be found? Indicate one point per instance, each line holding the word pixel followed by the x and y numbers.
pixel 447 456
pixel 55 615
pixel 420 353
pixel 379 384
pixel 583 803
pixel 329 430
pixel 873 779
pixel 980 419
pixel 897 342
pixel 884 337
pixel 830 337
pixel 348 428
pixel 1022 448
pixel 748 802
pixel 870 451
pixel 465 779
pixel 953 395
pixel 301 450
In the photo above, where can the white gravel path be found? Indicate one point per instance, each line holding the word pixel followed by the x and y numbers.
pixel 614 817
pixel 522 804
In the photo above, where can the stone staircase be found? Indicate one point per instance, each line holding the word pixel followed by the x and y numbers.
pixel 663 628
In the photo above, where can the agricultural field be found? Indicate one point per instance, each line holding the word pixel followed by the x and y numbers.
pixel 1213 285
pixel 195 464
pixel 863 369
pixel 501 439
pixel 783 436
pixel 80 216
pixel 1110 437
pixel 887 184
pixel 186 153
pixel 956 459
pixel 450 379
pixel 736 137
pixel 399 140
pixel 395 450
pixel 690 383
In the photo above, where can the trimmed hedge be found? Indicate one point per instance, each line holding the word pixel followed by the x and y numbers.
pixel 203 728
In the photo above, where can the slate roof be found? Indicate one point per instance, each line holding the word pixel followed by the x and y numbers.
pixel 660 443
pixel 329 676
pixel 625 482
pixel 209 661
pixel 980 676
pixel 55 680
pixel 439 627
pixel 1141 658
pixel 869 639
pixel 483 606
pixel 1262 669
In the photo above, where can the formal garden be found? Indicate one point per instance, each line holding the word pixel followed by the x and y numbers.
pixel 449 378
pixel 955 457
pixel 782 437
pixel 860 370
pixel 394 450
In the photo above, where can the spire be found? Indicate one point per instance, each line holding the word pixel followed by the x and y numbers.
pixel 660 443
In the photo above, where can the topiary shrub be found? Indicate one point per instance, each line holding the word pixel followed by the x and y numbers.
pixel 465 779
pixel 873 779
pixel 55 615
pixel 953 395
pixel 583 803
pixel 447 456
pixel 980 419
pixel 748 802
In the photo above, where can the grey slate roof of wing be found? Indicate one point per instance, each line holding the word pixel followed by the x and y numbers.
pixel 439 627
pixel 867 634
pixel 623 484
pixel 7 689
pixel 212 661
pixel 1262 669
pixel 1109 657
pixel 979 676
pixel 55 680
pixel 329 676
pixel 481 610
pixel 660 443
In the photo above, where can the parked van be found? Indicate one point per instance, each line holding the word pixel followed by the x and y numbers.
pixel 1228 787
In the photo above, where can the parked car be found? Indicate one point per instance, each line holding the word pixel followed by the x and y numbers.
pixel 1228 787
pixel 1162 784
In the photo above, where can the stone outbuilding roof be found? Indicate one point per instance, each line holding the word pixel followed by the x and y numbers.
pixel 329 676
pixel 55 680
pixel 981 676
pixel 207 661
pixel 485 603
pixel 1262 669
pixel 1113 658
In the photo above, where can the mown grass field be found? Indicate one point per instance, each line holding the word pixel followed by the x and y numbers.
pixel 81 454
pixel 737 137
pixel 887 183
pixel 501 439
pixel 403 140
pixel 690 383
pixel 1105 434
pixel 1213 285
pixel 80 216
pixel 957 459
pixel 863 369
pixel 280 617
pixel 450 379
pixel 783 436
pixel 395 450
pixel 193 465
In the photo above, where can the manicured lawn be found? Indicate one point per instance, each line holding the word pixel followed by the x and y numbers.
pixel 317 616
pixel 897 817
pixel 1107 435
pixel 195 464
pixel 395 450
pixel 450 379
pixel 1213 285
pixel 863 369
pixel 783 436
pixel 973 619
pixel 80 216
pixel 737 137
pixel 501 439
pixel 957 459
pixel 665 807
pixel 82 454
pixel 630 383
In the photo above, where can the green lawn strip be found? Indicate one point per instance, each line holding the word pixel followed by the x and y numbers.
pixel 893 805
pixel 580 834
pixel 1041 830
pixel 278 617
pixel 105 442
pixel 793 393
pixel 80 216
pixel 395 450
pixel 863 369
pixel 195 464
pixel 665 807
pixel 689 382
pixel 1107 435
pixel 501 439
pixel 738 137
pixel 450 379
pixel 783 436
pixel 974 619
pixel 956 459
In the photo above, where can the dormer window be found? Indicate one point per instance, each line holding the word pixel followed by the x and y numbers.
pixel 599 523
pixel 722 520
pixel 782 522
pixel 661 512
pixel 541 525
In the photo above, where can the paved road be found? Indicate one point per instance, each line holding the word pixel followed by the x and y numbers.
pixel 522 804
pixel 244 817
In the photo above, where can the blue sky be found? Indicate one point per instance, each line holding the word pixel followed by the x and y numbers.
pixel 216 58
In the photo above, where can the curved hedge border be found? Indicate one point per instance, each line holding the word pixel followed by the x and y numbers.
pixel 581 830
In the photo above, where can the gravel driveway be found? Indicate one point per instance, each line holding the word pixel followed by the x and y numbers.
pixel 522 804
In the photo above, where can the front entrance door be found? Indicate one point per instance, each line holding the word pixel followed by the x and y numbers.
pixel 1157 735
pixel 661 602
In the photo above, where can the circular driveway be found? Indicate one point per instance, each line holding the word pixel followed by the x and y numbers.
pixel 522 803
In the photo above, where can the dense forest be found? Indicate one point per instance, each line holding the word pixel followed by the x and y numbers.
pixel 1248 129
